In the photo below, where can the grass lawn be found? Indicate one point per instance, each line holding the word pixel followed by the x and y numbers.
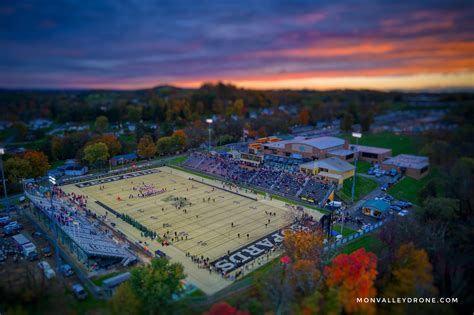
pixel 363 186
pixel 56 164
pixel 369 242
pixel 398 143
pixel 177 161
pixel 362 167
pixel 409 188
pixel 345 231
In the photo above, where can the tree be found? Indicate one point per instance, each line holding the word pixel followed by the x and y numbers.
pixel 347 121
pixel 304 117
pixel 180 138
pixel 101 124
pixel 96 152
pixel 367 120
pixel 17 168
pixel 38 161
pixel 276 291
pixel 134 113
pixel 146 147
pixel 20 130
pixel 304 245
pixel 223 308
pixel 125 301
pixel 112 142
pixel 411 274
pixel 353 276
pixel 155 284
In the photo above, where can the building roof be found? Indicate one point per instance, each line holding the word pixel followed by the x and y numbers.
pixel 335 164
pixel 341 152
pixel 332 163
pixel 379 205
pixel 368 149
pixel 320 143
pixel 118 279
pixel 408 161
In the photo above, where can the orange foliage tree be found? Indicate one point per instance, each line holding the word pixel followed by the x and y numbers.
pixel 38 161
pixel 353 276
pixel 305 249
pixel 304 117
pixel 111 141
pixel 411 274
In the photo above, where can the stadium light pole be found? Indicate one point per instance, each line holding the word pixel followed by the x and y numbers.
pixel 7 203
pixel 356 135
pixel 52 182
pixel 209 123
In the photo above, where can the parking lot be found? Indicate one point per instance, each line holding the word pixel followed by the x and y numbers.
pixel 17 272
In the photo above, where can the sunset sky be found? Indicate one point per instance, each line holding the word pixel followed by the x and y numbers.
pixel 256 44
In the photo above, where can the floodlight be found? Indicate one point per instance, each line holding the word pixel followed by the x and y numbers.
pixel 357 135
pixel 2 151
pixel 209 121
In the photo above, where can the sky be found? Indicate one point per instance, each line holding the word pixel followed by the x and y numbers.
pixel 260 44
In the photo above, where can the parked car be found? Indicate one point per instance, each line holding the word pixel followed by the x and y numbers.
pixel 403 213
pixel 47 251
pixel 47 270
pixel 67 270
pixel 79 291
pixel 396 208
pixel 4 220
pixel 32 256
pixel 393 172
pixel 36 234
pixel 385 187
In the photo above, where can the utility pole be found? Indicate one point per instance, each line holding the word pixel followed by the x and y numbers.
pixel 356 135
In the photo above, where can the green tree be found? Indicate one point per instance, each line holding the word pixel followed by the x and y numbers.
pixel 155 284
pixel 367 120
pixel 146 147
pixel 101 124
pixel 347 121
pixel 96 152
pixel 134 113
pixel 16 169
pixel 125 301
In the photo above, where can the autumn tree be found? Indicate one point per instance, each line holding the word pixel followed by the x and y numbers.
pixel 180 138
pixel 155 284
pixel 305 249
pixel 146 147
pixel 353 276
pixel 274 288
pixel 111 141
pixel 101 124
pixel 134 113
pixel 17 169
pixel 304 117
pixel 38 161
pixel 125 301
pixel 96 152
pixel 411 274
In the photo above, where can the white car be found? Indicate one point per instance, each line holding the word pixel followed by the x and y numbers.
pixel 47 270
pixel 403 213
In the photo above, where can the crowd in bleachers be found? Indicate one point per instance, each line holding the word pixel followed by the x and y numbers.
pixel 276 174
pixel 67 211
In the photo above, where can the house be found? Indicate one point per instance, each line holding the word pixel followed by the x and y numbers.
pixel 123 159
pixel 375 208
pixel 75 170
pixel 414 166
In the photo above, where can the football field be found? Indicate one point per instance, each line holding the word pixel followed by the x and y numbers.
pixel 201 219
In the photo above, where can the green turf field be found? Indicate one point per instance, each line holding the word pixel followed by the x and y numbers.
pixel 398 143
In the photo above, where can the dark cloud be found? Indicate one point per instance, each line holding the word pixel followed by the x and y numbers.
pixel 137 42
